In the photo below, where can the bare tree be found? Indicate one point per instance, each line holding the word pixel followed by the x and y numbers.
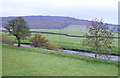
pixel 99 38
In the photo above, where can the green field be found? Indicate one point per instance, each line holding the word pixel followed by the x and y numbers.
pixel 71 42
pixel 70 30
pixel 63 31
pixel 0 58
pixel 77 27
pixel 75 43
pixel 25 61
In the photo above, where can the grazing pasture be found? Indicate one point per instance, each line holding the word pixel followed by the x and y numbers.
pixel 24 61
pixel 70 42
pixel 73 42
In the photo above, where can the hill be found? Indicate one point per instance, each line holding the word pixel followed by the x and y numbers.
pixel 49 22
pixel 52 22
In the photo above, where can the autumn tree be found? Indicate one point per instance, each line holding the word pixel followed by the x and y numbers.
pixel 99 38
pixel 19 28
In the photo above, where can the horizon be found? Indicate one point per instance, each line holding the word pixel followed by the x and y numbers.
pixel 56 16
pixel 79 9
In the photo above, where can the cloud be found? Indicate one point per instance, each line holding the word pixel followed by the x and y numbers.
pixel 86 9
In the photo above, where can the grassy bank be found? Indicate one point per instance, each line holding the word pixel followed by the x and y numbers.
pixel 41 62
pixel 70 42
pixel 76 43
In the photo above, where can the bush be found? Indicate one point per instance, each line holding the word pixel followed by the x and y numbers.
pixel 7 39
pixel 52 46
pixel 38 40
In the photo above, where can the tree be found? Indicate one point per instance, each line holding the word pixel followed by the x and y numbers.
pixel 99 38
pixel 19 28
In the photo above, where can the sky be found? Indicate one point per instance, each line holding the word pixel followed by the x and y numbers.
pixel 107 10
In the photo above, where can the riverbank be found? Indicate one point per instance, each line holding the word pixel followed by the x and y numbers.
pixel 90 54
pixel 30 61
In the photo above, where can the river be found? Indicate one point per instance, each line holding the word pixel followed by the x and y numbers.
pixel 110 57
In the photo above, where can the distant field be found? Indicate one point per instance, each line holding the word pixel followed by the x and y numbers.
pixel 67 31
pixel 75 43
pixel 70 42
pixel 76 27
pixel 25 61
pixel 71 30
pixel 63 31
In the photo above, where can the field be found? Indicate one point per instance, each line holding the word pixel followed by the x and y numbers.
pixel 66 38
pixel 72 42
pixel 71 30
pixel 0 59
pixel 25 61
pixel 75 43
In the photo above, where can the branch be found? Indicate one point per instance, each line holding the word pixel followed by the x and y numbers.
pixel 8 30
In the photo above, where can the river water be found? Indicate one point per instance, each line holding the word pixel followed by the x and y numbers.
pixel 110 57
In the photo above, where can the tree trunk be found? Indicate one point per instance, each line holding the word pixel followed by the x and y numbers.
pixel 96 51
pixel 96 45
pixel 95 55
pixel 18 41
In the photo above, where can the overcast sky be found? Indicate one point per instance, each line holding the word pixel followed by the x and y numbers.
pixel 82 9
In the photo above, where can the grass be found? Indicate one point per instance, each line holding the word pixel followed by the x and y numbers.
pixel 25 61
pixel 70 42
pixel 70 30
pixel 77 27
pixel 0 59
pixel 73 42
pixel 63 31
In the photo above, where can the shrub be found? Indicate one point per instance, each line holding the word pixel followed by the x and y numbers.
pixel 7 39
pixel 50 45
pixel 38 40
